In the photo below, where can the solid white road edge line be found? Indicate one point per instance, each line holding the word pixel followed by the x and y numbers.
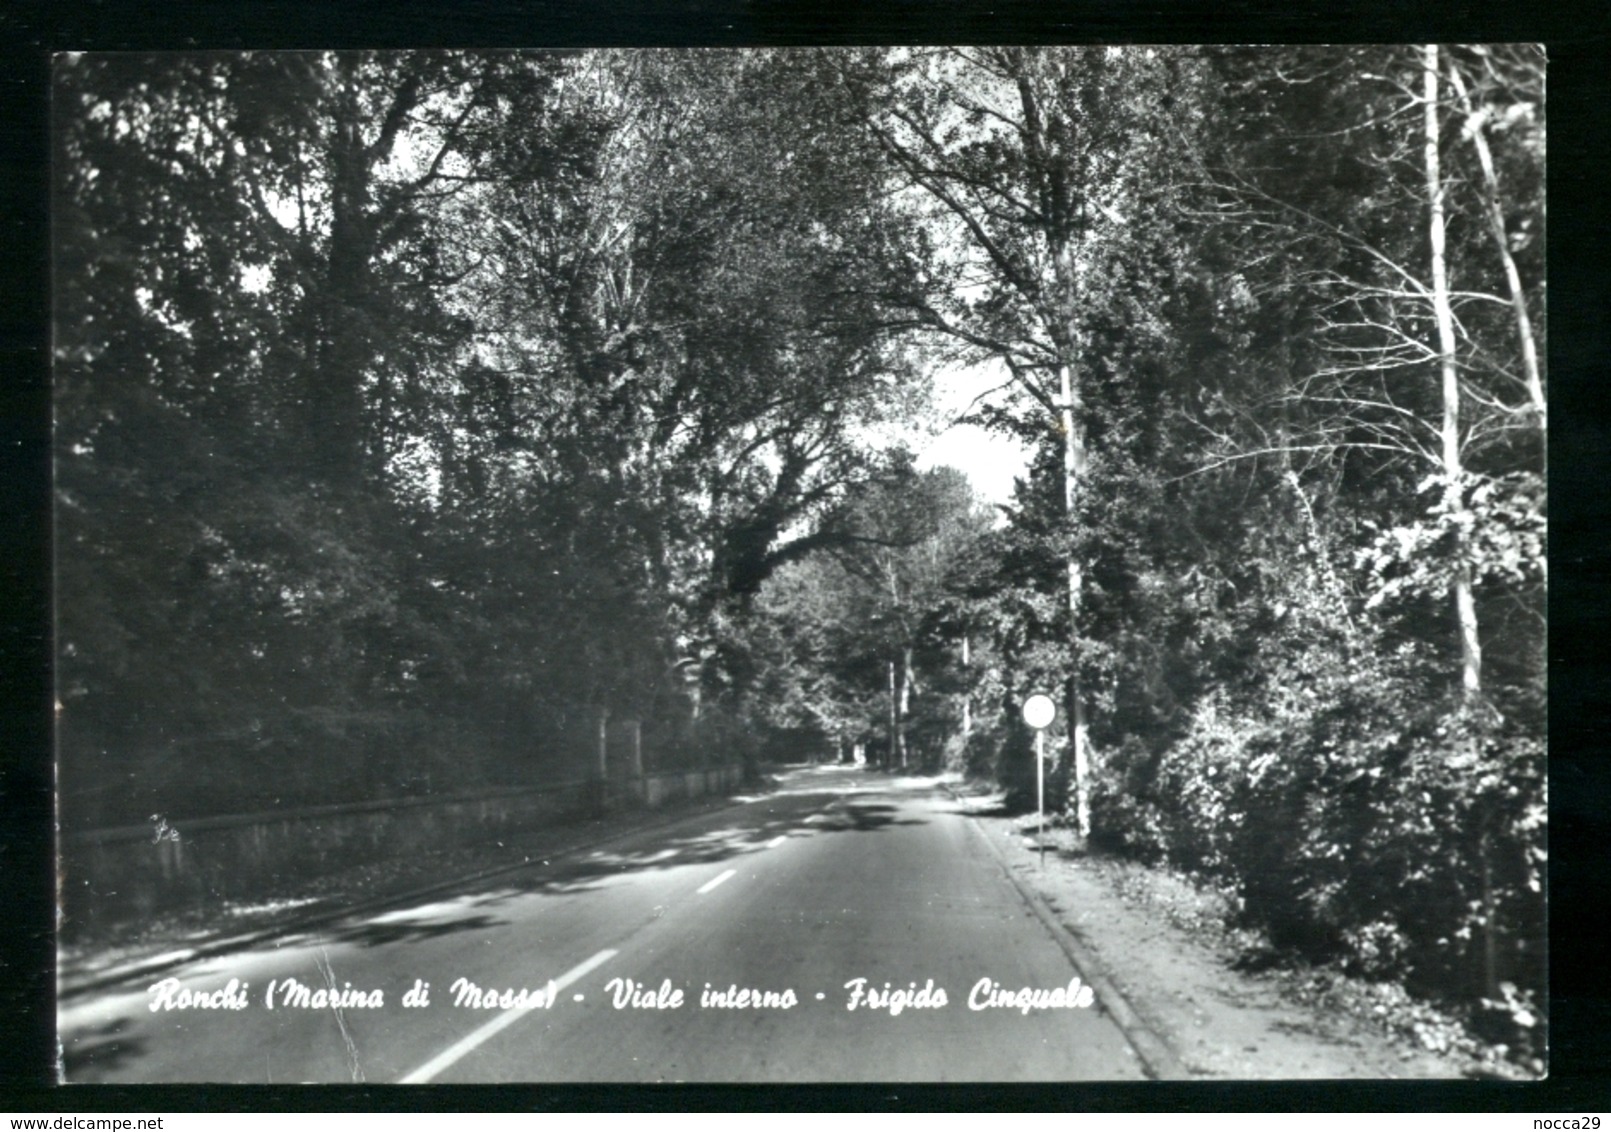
pixel 470 1041
pixel 776 841
pixel 710 884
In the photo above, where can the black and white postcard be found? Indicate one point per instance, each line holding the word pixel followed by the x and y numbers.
pixel 800 564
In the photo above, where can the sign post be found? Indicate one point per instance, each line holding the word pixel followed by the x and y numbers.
pixel 1039 711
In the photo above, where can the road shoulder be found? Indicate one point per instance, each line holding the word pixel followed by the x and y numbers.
pixel 1149 935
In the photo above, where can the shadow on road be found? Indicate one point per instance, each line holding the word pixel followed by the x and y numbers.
pixel 104 1047
pixel 380 933
pixel 591 871
pixel 811 812
pixel 866 816
pixel 753 827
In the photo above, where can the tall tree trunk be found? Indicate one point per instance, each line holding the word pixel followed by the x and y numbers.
pixel 1073 471
pixel 967 694
pixel 1464 604
pixel 336 401
pixel 894 722
pixel 602 767
pixel 1064 217
pixel 1454 503
pixel 1495 210
pixel 906 697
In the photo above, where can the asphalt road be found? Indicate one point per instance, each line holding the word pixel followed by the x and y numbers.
pixel 792 896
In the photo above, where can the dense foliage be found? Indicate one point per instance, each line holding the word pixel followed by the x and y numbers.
pixel 1305 489
pixel 416 413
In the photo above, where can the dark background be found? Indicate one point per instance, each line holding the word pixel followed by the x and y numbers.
pixel 1580 614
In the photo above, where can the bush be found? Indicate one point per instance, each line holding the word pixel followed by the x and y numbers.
pixel 1125 817
pixel 1363 823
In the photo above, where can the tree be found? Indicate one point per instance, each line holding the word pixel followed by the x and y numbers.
pixel 206 581
pixel 858 631
pixel 1397 299
pixel 706 294
pixel 1381 387
pixel 1030 163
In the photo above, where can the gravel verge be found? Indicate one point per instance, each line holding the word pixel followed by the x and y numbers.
pixel 1164 943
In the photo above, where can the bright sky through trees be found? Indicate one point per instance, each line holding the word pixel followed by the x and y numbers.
pixel 990 460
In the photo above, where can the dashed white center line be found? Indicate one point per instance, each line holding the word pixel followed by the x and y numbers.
pixel 776 841
pixel 710 884
pixel 470 1041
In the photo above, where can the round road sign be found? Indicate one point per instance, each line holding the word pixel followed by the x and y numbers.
pixel 1039 711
